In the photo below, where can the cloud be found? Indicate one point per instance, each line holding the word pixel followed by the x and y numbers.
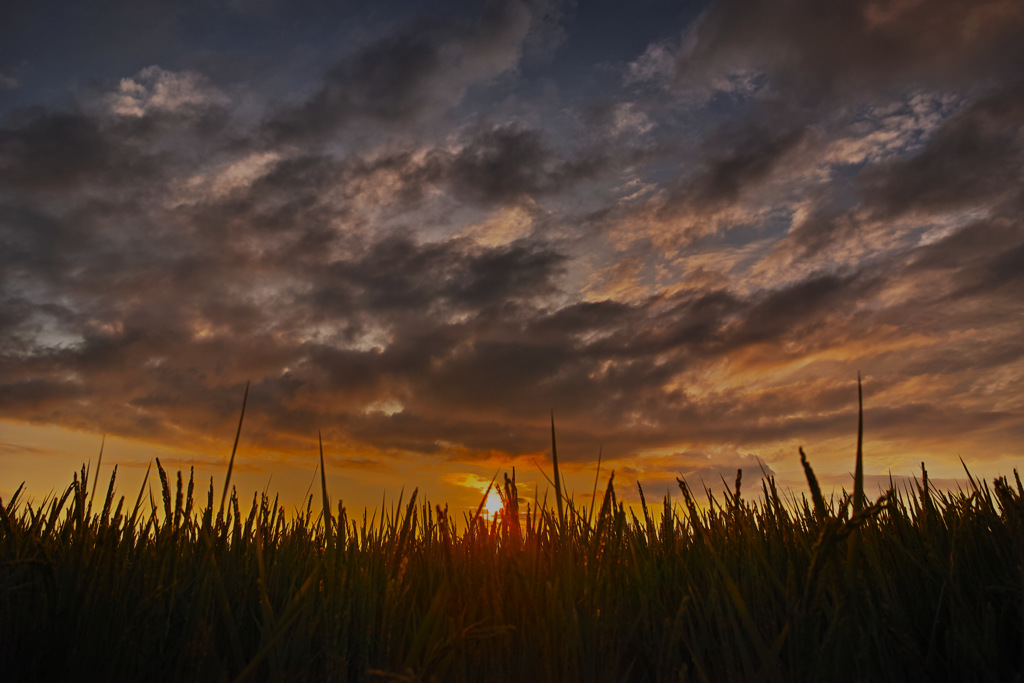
pixel 469 480
pixel 424 70
pixel 504 226
pixel 492 166
pixel 880 133
pixel 657 63
pixel 451 274
pixel 747 163
pixel 41 149
pixel 974 159
pixel 506 163
pixel 915 183
pixel 980 258
pixel 860 45
pixel 157 90
pixel 744 173
pixel 465 338
pixel 678 278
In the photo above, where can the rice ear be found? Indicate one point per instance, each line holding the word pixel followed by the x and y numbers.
pixel 812 483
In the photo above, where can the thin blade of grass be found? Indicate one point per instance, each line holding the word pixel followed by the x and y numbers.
pixel 558 479
pixel 99 461
pixel 323 491
pixel 593 494
pixel 234 449
pixel 858 473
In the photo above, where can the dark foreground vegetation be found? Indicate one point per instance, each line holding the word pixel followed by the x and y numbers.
pixel 916 585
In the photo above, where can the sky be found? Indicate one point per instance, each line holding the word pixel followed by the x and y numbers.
pixel 418 229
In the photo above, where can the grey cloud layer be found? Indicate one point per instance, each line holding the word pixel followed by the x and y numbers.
pixel 154 258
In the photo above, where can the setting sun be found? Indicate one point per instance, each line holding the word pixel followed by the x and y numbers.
pixel 492 506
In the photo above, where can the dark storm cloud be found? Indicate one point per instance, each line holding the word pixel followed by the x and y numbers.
pixel 860 44
pixel 506 163
pixel 35 395
pixel 974 159
pixel 820 231
pixel 496 165
pixel 795 311
pixel 424 69
pixel 46 150
pixel 744 159
pixel 504 365
pixel 981 259
pixel 398 274
pixel 749 163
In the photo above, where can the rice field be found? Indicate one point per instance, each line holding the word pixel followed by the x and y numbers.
pixel 916 585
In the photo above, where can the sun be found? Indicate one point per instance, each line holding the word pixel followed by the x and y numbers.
pixel 492 506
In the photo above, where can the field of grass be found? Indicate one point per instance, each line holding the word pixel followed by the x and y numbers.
pixel 916 585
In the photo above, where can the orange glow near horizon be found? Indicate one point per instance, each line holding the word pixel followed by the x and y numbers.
pixel 48 466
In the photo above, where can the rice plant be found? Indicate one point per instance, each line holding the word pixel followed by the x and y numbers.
pixel 915 585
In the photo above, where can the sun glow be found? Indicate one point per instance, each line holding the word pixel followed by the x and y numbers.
pixel 492 506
